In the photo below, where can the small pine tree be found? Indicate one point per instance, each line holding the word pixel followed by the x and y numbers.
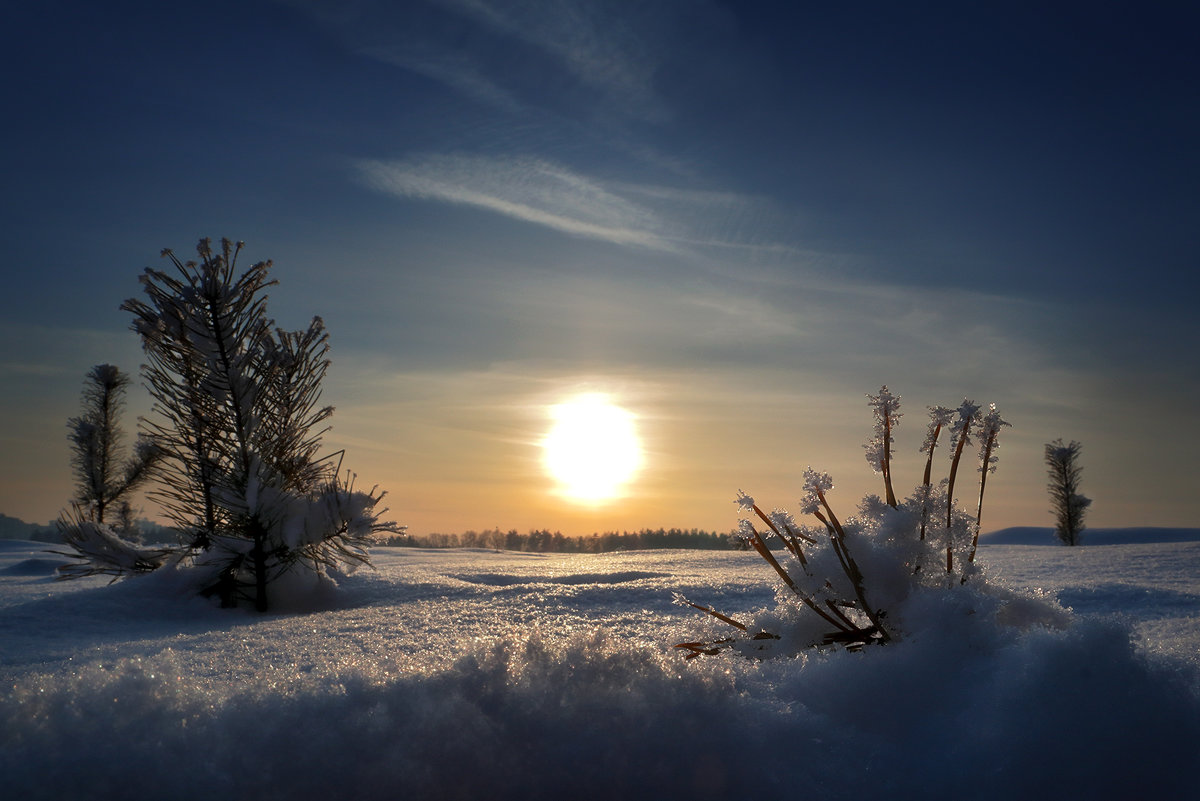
pixel 1066 503
pixel 237 425
pixel 240 425
pixel 104 478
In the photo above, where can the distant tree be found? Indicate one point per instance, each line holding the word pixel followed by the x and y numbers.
pixel 1066 503
pixel 104 478
pixel 126 521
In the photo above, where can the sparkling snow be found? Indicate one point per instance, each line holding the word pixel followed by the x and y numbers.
pixel 476 674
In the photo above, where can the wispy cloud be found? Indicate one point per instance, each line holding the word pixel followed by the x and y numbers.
pixel 594 43
pixel 545 193
pixel 455 70
pixel 526 189
pixel 484 49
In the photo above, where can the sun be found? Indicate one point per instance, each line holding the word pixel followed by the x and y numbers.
pixel 592 449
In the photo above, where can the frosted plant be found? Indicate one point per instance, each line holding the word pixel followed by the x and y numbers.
pixel 862 581
pixel 960 437
pixel 989 435
pixel 879 449
pixel 939 418
pixel 238 422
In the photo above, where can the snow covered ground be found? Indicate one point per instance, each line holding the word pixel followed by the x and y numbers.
pixel 474 674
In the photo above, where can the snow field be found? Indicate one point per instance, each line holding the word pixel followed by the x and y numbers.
pixel 472 674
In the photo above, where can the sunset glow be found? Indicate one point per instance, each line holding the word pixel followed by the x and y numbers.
pixel 735 220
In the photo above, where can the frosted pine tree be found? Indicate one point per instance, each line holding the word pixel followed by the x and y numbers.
pixel 104 481
pixel 239 422
pixel 104 477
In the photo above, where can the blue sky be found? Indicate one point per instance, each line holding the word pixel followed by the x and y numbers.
pixel 734 218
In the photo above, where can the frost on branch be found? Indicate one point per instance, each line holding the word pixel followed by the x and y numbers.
pixel 883 574
pixel 939 418
pixel 98 549
pixel 886 407
pixel 815 486
pixel 960 436
pixel 989 436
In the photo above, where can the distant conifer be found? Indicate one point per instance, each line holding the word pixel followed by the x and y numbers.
pixel 1066 503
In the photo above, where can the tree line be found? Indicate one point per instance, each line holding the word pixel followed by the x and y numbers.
pixel 546 541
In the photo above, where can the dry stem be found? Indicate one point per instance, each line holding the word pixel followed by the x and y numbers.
pixel 837 536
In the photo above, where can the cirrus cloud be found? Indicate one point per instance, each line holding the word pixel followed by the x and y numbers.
pixel 526 189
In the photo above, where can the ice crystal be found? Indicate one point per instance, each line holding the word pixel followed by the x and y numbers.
pixel 968 416
pixel 815 485
pixel 989 435
pixel 886 407
pixel 939 418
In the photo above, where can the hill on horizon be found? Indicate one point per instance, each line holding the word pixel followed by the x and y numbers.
pixel 1044 535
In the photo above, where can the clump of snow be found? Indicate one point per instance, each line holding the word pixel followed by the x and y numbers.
pixel 97 548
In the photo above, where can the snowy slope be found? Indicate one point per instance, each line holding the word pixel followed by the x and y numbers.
pixel 474 674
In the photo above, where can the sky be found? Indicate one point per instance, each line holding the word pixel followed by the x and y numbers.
pixel 734 220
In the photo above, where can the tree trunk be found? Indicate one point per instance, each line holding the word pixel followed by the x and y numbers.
pixel 259 555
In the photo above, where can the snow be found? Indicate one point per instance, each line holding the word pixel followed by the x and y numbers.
pixel 480 674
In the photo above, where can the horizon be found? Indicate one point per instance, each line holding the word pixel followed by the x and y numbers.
pixel 1018 534
pixel 733 223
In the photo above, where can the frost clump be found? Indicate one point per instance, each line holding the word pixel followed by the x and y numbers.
pixel 894 569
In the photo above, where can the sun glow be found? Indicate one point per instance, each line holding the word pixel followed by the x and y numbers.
pixel 592 449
